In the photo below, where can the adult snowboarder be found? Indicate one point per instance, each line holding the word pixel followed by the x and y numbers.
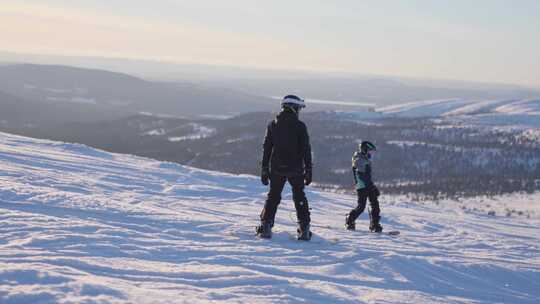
pixel 286 157
pixel 365 188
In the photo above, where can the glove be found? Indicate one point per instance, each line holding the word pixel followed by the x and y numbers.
pixel 307 177
pixel 265 176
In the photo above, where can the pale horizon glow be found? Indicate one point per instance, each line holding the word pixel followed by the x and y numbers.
pixel 485 40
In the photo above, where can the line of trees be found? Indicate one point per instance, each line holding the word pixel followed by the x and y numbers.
pixel 419 156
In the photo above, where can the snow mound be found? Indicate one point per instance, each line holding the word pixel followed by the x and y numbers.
pixel 82 225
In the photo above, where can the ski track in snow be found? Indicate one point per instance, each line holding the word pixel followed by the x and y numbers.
pixel 79 225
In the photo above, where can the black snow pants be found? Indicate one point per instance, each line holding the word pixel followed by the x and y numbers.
pixel 363 196
pixel 277 182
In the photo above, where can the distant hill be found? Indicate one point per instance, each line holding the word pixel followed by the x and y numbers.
pixel 380 91
pixel 512 112
pixel 456 107
pixel 99 92
pixel 17 112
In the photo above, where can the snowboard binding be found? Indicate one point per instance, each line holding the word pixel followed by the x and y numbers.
pixel 349 225
pixel 303 233
pixel 264 230
pixel 375 227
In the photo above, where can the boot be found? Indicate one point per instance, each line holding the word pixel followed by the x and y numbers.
pixel 349 225
pixel 374 226
pixel 264 230
pixel 303 232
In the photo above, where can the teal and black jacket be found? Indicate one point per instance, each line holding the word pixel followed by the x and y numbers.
pixel 361 167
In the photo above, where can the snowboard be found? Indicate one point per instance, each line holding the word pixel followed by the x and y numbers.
pixel 295 237
pixel 390 233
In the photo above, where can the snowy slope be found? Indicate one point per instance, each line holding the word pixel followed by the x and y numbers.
pixel 79 225
pixel 483 111
pixel 425 108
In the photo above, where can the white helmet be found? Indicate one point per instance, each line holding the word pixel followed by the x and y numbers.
pixel 293 100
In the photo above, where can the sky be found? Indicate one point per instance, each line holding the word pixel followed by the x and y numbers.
pixel 481 40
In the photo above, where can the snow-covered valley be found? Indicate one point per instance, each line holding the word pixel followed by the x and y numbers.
pixel 80 225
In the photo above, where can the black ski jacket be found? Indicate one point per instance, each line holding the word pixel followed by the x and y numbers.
pixel 286 146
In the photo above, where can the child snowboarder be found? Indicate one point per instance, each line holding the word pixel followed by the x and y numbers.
pixel 286 157
pixel 365 188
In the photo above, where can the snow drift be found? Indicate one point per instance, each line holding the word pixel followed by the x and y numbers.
pixel 79 225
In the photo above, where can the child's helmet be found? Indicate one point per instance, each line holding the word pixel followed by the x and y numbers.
pixel 367 146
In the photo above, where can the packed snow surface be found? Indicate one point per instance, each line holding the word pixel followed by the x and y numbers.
pixel 79 225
